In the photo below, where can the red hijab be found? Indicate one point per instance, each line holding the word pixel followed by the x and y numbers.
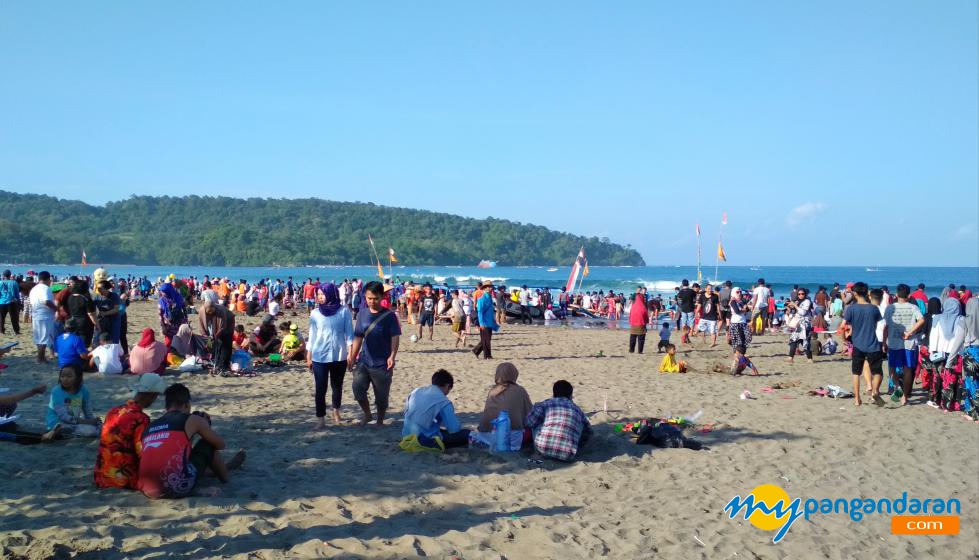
pixel 148 338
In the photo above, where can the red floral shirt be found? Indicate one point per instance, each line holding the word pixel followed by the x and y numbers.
pixel 117 463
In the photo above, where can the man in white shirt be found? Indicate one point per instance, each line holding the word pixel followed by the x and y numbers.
pixel 42 314
pixel 524 299
pixel 107 357
pixel 759 304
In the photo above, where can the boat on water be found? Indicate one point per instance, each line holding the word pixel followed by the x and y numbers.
pixel 486 264
pixel 873 269
pixel 552 270
pixel 756 268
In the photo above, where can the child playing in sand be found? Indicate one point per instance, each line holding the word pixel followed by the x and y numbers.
pixel 238 337
pixel 293 346
pixel 664 338
pixel 829 345
pixel 670 363
pixel 741 363
pixel 70 409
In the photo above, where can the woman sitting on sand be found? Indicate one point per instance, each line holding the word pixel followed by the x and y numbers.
pixel 506 395
pixel 149 355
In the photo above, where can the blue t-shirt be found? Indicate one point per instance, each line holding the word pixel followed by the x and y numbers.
pixel 377 344
pixel 9 291
pixel 76 404
pixel 70 348
pixel 863 318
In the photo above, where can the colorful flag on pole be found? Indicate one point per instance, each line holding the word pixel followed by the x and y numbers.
pixel 724 219
pixel 584 272
pixel 84 258
pixel 391 256
pixel 575 271
pixel 720 252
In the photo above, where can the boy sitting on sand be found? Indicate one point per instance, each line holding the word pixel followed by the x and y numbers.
pixel 670 363
pixel 431 418
pixel 293 346
pixel 664 338
pixel 106 357
pixel 117 462
pixel 560 428
pixel 171 465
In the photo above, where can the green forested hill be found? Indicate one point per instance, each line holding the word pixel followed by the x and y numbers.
pixel 218 231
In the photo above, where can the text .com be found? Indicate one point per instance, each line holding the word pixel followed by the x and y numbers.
pixel 769 508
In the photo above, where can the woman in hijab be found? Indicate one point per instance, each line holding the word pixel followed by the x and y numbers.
pixel 182 343
pixel 149 355
pixel 945 340
pixel 969 401
pixel 739 333
pixel 506 395
pixel 331 332
pixel 172 312
pixel 638 317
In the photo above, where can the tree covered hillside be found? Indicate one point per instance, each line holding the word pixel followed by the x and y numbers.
pixel 220 231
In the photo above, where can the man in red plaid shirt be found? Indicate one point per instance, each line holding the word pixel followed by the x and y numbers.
pixel 560 427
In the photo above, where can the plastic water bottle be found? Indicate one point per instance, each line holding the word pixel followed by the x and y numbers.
pixel 501 427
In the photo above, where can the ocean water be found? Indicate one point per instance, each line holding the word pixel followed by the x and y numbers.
pixel 658 279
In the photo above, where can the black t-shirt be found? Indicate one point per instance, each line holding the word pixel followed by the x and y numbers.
pixel 708 307
pixel 79 306
pixel 685 297
pixel 428 303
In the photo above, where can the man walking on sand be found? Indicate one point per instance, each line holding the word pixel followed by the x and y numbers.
pixel 860 322
pixel 377 335
pixel 759 306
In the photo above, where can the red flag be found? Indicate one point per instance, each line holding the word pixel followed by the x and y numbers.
pixel 724 219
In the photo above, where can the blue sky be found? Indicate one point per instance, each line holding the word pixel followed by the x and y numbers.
pixel 832 133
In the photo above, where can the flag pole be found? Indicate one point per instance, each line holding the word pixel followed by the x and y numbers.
pixel 720 237
pixel 700 276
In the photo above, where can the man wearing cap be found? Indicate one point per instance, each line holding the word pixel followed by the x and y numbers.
pixel 487 321
pixel 42 316
pixel 120 445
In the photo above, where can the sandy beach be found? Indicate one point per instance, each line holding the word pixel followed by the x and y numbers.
pixel 348 492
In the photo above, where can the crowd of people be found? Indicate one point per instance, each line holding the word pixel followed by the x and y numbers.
pixel 356 328
pixel 932 340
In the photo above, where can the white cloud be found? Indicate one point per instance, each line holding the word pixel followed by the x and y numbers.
pixel 804 213
pixel 966 231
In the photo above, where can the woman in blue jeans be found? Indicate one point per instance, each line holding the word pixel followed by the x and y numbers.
pixel 331 333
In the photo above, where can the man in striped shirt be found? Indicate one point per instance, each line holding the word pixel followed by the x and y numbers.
pixel 560 427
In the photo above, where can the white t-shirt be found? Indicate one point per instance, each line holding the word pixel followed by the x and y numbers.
pixel 108 358
pixel 40 294
pixel 524 297
pixel 273 308
pixel 586 301
pixel 761 295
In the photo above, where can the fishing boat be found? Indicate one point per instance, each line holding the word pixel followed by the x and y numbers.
pixel 756 268
pixel 873 269
pixel 486 264
pixel 552 270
